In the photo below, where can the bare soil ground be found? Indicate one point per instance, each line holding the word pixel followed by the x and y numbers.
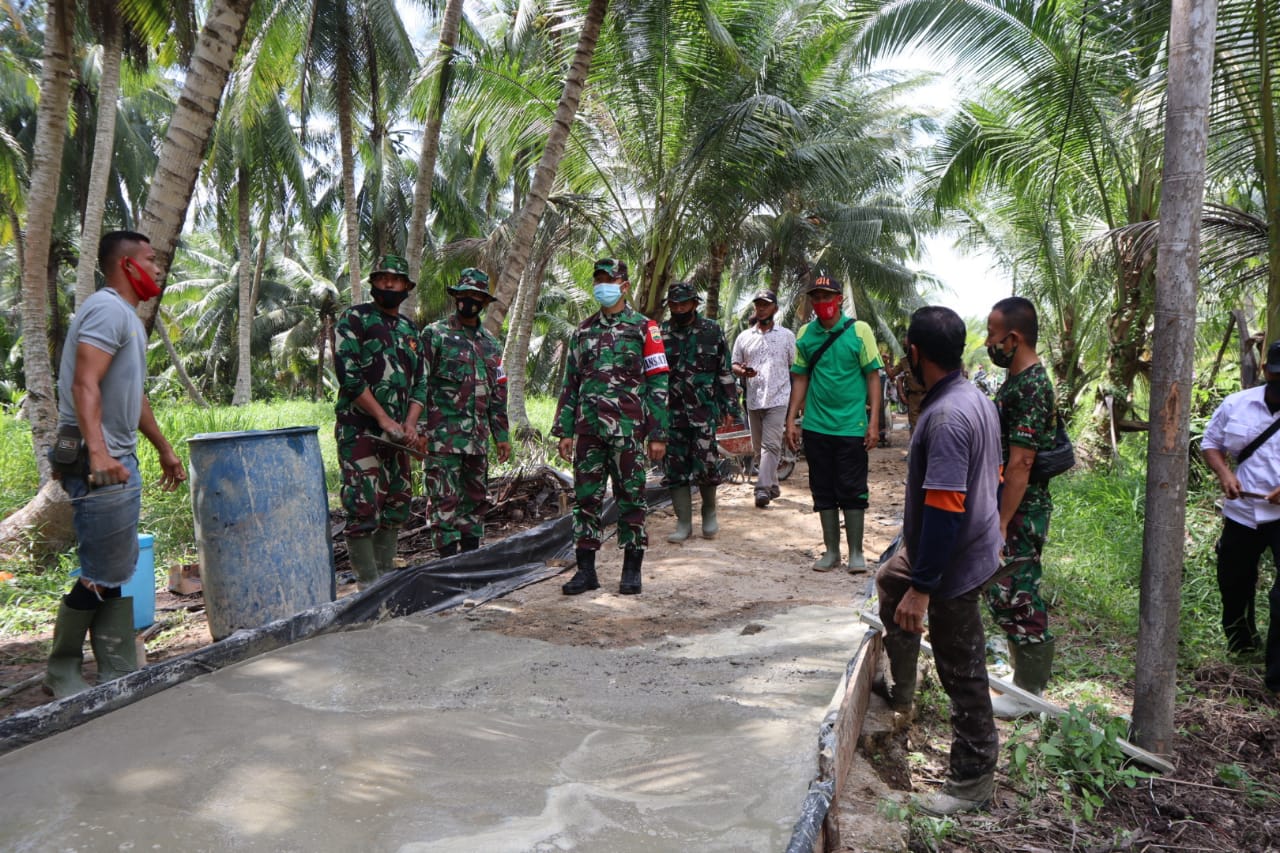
pixel 760 564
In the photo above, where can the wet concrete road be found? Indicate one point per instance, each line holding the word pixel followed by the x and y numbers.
pixel 427 734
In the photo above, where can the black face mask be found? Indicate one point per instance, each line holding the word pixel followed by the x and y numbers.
pixel 470 308
pixel 999 357
pixel 683 319
pixel 1273 388
pixel 389 299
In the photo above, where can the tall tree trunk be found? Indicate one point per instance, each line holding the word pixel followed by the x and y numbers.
pixel 1191 35
pixel 182 153
pixel 104 140
pixel 545 174
pixel 243 392
pixel 346 141
pixel 56 333
pixel 1270 164
pixel 325 321
pixel 708 276
pixel 515 356
pixel 441 72
pixel 192 391
pixel 51 133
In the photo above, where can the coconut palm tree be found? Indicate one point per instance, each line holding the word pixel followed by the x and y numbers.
pixel 190 129
pixel 1066 105
pixel 526 225
pixel 42 200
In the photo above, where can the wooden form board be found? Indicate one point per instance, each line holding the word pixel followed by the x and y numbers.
pixel 1150 759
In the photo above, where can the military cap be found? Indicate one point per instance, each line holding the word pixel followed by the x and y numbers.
pixel 682 291
pixel 393 265
pixel 471 280
pixel 613 267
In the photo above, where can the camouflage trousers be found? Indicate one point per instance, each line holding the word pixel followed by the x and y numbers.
pixel 377 482
pixel 1015 599
pixel 457 487
pixel 692 457
pixel 959 651
pixel 620 459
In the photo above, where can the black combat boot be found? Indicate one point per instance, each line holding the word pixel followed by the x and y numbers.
pixel 631 560
pixel 448 549
pixel 585 578
pixel 470 543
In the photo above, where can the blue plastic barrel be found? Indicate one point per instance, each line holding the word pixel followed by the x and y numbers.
pixel 262 525
pixel 142 586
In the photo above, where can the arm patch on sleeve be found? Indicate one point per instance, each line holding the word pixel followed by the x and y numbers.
pixel 655 354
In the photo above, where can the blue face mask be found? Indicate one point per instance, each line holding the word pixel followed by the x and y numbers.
pixel 608 294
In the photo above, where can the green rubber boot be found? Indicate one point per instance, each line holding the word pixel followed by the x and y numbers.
pixel 385 541
pixel 957 797
pixel 364 560
pixel 682 503
pixel 1032 668
pixel 710 524
pixel 853 519
pixel 111 635
pixel 63 677
pixel 831 539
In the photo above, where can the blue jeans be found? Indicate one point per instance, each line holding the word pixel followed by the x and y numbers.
pixel 106 525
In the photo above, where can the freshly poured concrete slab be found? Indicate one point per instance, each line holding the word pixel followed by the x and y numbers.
pixel 425 734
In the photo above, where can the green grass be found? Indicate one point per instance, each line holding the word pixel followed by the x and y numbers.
pixel 1093 570
pixel 29 599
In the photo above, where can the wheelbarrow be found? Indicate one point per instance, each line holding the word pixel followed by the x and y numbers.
pixel 737 456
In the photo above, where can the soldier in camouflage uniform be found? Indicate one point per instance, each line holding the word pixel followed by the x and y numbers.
pixel 381 393
pixel 466 404
pixel 1027 426
pixel 614 398
pixel 701 393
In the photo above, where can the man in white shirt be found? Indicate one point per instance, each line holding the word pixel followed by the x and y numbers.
pixel 762 355
pixel 1251 512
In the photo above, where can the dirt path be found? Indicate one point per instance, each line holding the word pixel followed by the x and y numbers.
pixel 758 564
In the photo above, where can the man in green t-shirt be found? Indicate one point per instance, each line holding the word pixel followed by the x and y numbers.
pixel 836 381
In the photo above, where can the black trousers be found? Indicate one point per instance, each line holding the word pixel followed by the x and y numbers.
pixel 960 653
pixel 837 470
pixel 1239 552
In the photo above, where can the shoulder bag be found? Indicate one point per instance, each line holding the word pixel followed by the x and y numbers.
pixel 831 339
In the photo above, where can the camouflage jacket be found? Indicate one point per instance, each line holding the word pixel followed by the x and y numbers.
pixel 700 388
pixel 616 380
pixel 1028 419
pixel 382 353
pixel 466 388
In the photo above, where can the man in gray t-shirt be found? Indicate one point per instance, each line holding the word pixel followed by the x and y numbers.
pixel 100 390
pixel 951 534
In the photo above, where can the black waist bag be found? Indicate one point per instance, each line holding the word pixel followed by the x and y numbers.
pixel 69 455
pixel 1056 460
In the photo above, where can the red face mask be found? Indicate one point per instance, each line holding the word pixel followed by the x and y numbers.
pixel 827 310
pixel 143 284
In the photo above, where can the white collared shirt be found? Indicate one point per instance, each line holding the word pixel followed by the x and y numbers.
pixel 771 354
pixel 1239 420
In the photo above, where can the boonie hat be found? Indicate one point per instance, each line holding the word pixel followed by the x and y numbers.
pixel 765 296
pixel 393 265
pixel 823 282
pixel 471 280
pixel 1273 357
pixel 613 267
pixel 682 291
